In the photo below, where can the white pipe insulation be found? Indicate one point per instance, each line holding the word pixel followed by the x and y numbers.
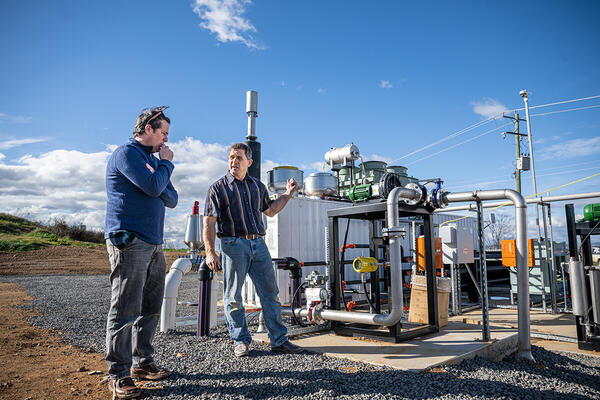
pixel 180 267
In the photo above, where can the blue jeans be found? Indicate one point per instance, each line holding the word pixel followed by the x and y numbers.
pixel 137 279
pixel 243 257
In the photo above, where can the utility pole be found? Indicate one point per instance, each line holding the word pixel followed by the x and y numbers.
pixel 524 94
pixel 518 135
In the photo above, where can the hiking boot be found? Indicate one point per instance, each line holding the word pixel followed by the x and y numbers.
pixel 241 350
pixel 287 347
pixel 150 372
pixel 124 388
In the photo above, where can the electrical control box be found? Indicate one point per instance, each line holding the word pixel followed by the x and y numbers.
pixel 509 253
pixel 457 244
pixel 523 163
pixel 421 253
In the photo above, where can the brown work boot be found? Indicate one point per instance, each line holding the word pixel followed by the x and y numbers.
pixel 124 388
pixel 150 372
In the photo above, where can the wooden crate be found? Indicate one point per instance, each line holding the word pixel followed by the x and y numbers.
pixel 418 311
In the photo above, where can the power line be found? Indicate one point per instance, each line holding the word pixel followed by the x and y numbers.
pixel 510 180
pixel 492 118
pixel 459 144
pixel 455 134
pixel 562 111
pixel 463 183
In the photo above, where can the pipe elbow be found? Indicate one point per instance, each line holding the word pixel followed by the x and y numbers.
pixel 181 264
pixel 516 198
pixel 389 319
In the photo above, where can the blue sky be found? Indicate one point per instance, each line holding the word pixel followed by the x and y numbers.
pixel 390 76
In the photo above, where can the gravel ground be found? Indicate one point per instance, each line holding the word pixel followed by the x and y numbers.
pixel 205 368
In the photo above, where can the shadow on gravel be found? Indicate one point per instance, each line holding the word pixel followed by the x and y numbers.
pixel 324 383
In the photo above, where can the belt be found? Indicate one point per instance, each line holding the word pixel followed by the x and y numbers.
pixel 252 236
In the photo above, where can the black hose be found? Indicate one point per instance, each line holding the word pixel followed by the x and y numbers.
pixel 368 297
pixel 296 319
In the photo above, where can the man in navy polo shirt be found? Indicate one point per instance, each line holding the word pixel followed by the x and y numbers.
pixel 138 188
pixel 236 202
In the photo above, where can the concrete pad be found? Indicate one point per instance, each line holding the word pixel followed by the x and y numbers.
pixel 548 323
pixel 554 345
pixel 454 343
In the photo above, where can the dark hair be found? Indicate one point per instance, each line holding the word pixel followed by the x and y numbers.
pixel 147 114
pixel 241 146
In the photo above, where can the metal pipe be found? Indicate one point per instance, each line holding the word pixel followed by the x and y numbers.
pixel 553 261
pixel 549 262
pixel 522 267
pixel 547 199
pixel 397 302
pixel 485 328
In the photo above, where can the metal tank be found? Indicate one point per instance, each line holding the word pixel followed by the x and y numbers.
pixel 342 155
pixel 193 230
pixel 319 183
pixel 277 178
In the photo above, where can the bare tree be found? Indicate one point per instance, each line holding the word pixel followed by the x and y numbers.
pixel 496 232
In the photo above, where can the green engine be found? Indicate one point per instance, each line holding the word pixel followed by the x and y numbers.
pixel 591 212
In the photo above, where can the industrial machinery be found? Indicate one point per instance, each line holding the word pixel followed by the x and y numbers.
pixel 584 276
pixel 385 252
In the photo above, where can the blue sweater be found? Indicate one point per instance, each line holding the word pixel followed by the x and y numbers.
pixel 137 196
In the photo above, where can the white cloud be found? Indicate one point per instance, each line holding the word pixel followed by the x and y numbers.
pixel 2 156
pixel 9 144
pixel 489 108
pixel 224 18
pixel 321 90
pixel 377 157
pixel 282 83
pixel 70 184
pixel 15 119
pixel 265 166
pixel 385 84
pixel 570 148
pixel 319 166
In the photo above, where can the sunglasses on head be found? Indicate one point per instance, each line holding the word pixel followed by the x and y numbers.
pixel 159 111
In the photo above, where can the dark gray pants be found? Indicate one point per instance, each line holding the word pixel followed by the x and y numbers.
pixel 137 281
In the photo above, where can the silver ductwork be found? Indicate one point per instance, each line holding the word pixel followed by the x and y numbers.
pixel 522 267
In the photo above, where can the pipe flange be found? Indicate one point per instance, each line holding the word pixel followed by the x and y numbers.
pixel 394 231
pixel 421 191
pixel 437 198
pixel 314 313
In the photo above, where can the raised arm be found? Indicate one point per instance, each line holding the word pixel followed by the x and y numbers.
pixel 134 167
pixel 280 202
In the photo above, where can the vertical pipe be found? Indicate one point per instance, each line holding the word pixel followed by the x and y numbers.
pixel 485 328
pixel 453 288
pixel 522 266
pixel 535 193
pixel 430 271
pixel 550 261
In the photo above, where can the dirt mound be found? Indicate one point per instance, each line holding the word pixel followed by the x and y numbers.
pixel 37 365
pixel 56 260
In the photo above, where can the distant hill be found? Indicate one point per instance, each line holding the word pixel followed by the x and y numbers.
pixel 19 234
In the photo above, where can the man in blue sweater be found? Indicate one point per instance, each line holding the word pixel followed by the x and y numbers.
pixel 138 187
